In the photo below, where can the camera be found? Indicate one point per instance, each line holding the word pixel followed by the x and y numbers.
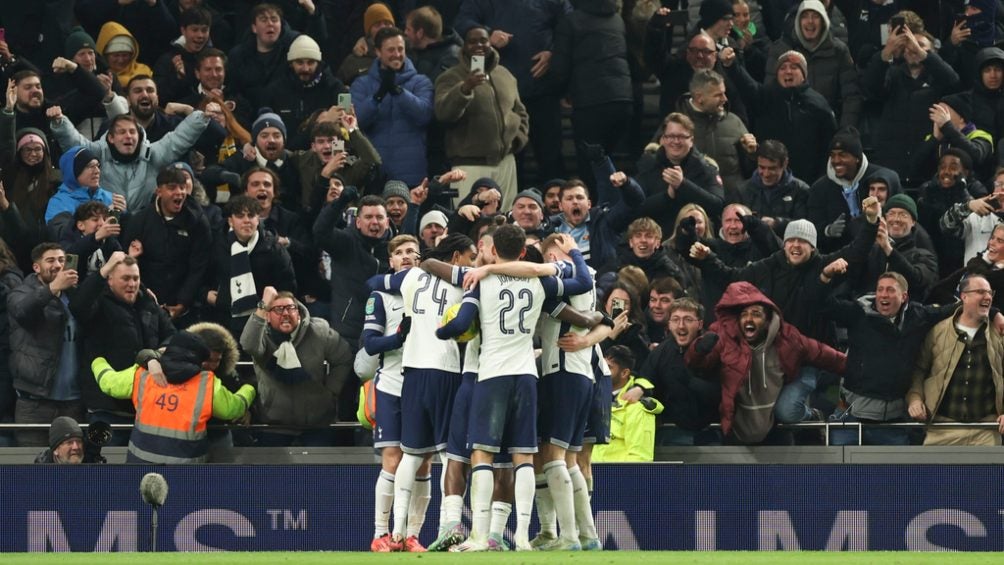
pixel 98 435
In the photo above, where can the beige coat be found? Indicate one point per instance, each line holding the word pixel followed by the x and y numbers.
pixel 937 361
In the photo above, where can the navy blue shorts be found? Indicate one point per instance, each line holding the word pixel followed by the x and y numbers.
pixel 426 404
pixel 598 422
pixel 504 415
pixel 456 444
pixel 565 404
pixel 388 420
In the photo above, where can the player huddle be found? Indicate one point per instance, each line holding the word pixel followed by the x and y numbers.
pixel 484 412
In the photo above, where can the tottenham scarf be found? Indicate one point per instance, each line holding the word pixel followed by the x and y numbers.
pixel 285 363
pixel 243 294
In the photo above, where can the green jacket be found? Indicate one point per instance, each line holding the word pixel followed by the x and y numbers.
pixel 632 428
pixel 118 384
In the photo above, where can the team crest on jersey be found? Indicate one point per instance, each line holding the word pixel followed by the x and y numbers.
pixel 370 306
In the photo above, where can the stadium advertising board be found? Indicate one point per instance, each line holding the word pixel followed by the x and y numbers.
pixel 664 507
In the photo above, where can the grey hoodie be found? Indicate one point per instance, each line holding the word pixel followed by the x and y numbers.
pixel 754 415
pixel 815 6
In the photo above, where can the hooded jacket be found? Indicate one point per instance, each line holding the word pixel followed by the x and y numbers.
pixel 28 188
pixel 732 358
pixel 396 124
pixel 988 105
pixel 70 195
pixel 826 200
pixel 831 69
pixel 488 124
pixel 114 29
pixel 136 177
pixel 309 403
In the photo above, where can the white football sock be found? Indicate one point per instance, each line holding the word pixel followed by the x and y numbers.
pixel 524 489
pixel 583 508
pixel 560 485
pixel 500 516
pixel 421 494
pixel 384 500
pixel 454 505
pixel 545 507
pixel 482 487
pixel 404 482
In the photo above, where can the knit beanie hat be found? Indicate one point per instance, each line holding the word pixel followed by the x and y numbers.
pixel 802 229
pixel 847 139
pixel 904 202
pixel 77 40
pixel 396 188
pixel 713 10
pixel 81 159
pixel 267 119
pixel 433 217
pixel 375 14
pixel 961 103
pixel 796 58
pixel 25 136
pixel 62 429
pixel 120 44
pixel 184 167
pixel 532 194
pixel 304 47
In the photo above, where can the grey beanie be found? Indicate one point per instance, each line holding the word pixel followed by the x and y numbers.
pixel 396 188
pixel 62 429
pixel 802 229
pixel 532 194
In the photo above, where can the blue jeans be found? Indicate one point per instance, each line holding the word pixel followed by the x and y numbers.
pixel 870 436
pixel 792 406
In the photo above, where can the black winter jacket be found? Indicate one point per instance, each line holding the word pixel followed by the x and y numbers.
pixel 590 55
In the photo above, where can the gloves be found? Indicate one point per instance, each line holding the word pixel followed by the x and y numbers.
pixel 750 223
pixel 648 403
pixel 837 228
pixel 387 84
pixel 607 320
pixel 706 343
pixel 404 327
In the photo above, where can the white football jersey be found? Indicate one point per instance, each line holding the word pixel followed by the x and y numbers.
pixel 552 358
pixel 510 307
pixel 426 298
pixel 386 316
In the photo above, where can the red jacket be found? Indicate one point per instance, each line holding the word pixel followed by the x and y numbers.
pixel 732 356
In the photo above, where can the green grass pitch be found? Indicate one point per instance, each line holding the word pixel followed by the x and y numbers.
pixel 597 558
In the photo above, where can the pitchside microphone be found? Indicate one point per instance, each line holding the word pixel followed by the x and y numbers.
pixel 153 487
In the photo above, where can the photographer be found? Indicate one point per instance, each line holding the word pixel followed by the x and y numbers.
pixel 69 446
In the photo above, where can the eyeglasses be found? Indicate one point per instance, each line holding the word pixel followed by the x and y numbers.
pixel 676 136
pixel 997 184
pixel 287 309
pixel 31 149
pixel 701 52
pixel 980 291
pixel 685 320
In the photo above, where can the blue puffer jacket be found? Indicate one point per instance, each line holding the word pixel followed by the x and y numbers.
pixel 396 123
pixel 70 194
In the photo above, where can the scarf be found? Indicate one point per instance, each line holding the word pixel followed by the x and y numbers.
pixel 285 364
pixel 243 294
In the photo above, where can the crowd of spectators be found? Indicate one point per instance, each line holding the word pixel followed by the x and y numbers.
pixel 814 230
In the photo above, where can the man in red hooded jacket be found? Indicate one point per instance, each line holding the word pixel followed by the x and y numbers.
pixel 755 353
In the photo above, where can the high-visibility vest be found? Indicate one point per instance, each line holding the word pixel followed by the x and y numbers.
pixel 366 413
pixel 171 420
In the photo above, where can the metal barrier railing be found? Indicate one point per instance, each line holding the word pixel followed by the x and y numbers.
pixel 825 426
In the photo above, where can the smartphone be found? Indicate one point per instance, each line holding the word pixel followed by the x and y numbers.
pixel 897 23
pixel 3 34
pixel 617 307
pixel 114 213
pixel 71 262
pixel 345 101
pixel 112 219
pixel 477 63
pixel 338 145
